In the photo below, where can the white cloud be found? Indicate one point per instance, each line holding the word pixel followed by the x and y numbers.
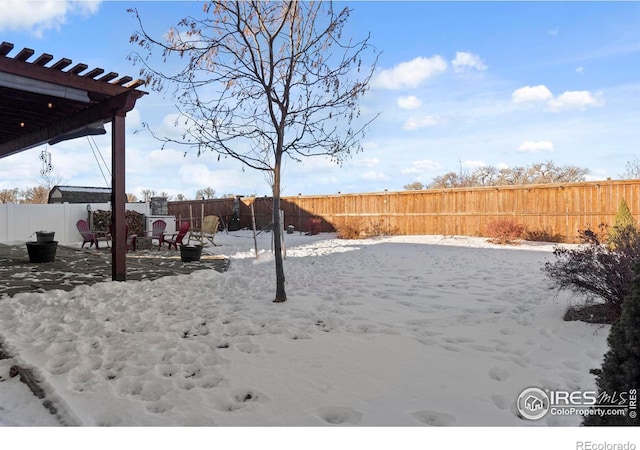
pixel 366 162
pixel 554 31
pixel 39 16
pixel 422 166
pixel 573 100
pixel 580 69
pixel 375 176
pixel 568 100
pixel 530 94
pixel 410 102
pixel 465 62
pixel 410 74
pixel 133 120
pixel 421 122
pixel 535 147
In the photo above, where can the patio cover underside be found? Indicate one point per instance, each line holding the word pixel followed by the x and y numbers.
pixel 42 103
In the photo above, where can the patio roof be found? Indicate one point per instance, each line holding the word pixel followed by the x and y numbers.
pixel 43 103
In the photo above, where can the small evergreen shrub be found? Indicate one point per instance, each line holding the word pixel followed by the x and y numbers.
pixel 624 227
pixel 505 231
pixel 620 371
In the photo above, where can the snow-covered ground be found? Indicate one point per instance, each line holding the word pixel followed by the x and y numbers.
pixel 389 331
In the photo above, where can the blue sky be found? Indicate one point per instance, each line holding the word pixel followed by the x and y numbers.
pixel 458 85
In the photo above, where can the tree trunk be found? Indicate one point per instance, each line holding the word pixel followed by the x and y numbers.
pixel 281 295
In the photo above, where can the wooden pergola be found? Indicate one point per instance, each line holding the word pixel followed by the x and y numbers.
pixel 43 103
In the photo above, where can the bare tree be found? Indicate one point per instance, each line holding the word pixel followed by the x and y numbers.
pixel 35 195
pixel 539 173
pixel 131 198
pixel 9 195
pixel 180 197
pixel 147 194
pixel 264 81
pixel 633 170
pixel 205 193
pixel 415 186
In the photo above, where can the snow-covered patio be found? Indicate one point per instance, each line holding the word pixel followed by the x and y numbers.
pixel 398 331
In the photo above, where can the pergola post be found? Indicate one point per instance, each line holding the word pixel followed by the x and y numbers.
pixel 118 198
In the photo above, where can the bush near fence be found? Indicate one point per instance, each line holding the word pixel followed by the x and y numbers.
pixel 559 209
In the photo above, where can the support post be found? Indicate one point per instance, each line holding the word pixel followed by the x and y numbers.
pixel 118 198
pixel 253 222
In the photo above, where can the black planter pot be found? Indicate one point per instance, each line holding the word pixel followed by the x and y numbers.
pixel 40 252
pixel 45 236
pixel 189 253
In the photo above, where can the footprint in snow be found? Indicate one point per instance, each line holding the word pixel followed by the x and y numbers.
pixel 158 407
pixel 575 365
pixel 434 418
pixel 500 401
pixel 247 347
pixel 338 415
pixel 499 373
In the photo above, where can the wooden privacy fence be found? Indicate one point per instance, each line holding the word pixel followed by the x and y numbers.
pixel 561 209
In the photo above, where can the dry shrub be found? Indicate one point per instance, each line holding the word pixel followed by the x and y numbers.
pixel 543 234
pixel 314 225
pixel 594 236
pixel 350 228
pixel 505 231
pixel 356 228
pixel 596 272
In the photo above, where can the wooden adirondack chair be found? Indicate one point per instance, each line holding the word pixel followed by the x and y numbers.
pixel 92 237
pixel 131 239
pixel 175 238
pixel 208 230
pixel 157 230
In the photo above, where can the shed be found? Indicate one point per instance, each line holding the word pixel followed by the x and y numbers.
pixel 79 194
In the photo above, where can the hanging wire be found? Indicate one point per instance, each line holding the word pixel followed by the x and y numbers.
pixel 95 149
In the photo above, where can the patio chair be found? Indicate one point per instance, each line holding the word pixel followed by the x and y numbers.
pixel 208 230
pixel 175 238
pixel 92 237
pixel 157 231
pixel 131 242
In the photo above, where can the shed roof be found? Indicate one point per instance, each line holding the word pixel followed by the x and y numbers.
pixel 79 194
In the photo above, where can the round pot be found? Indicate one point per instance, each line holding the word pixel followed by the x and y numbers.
pixel 45 236
pixel 190 253
pixel 40 252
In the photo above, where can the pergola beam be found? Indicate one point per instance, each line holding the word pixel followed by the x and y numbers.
pixel 99 112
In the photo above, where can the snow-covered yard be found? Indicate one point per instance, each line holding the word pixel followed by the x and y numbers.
pixel 390 331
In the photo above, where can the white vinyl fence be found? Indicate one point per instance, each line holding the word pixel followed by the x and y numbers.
pixel 19 223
